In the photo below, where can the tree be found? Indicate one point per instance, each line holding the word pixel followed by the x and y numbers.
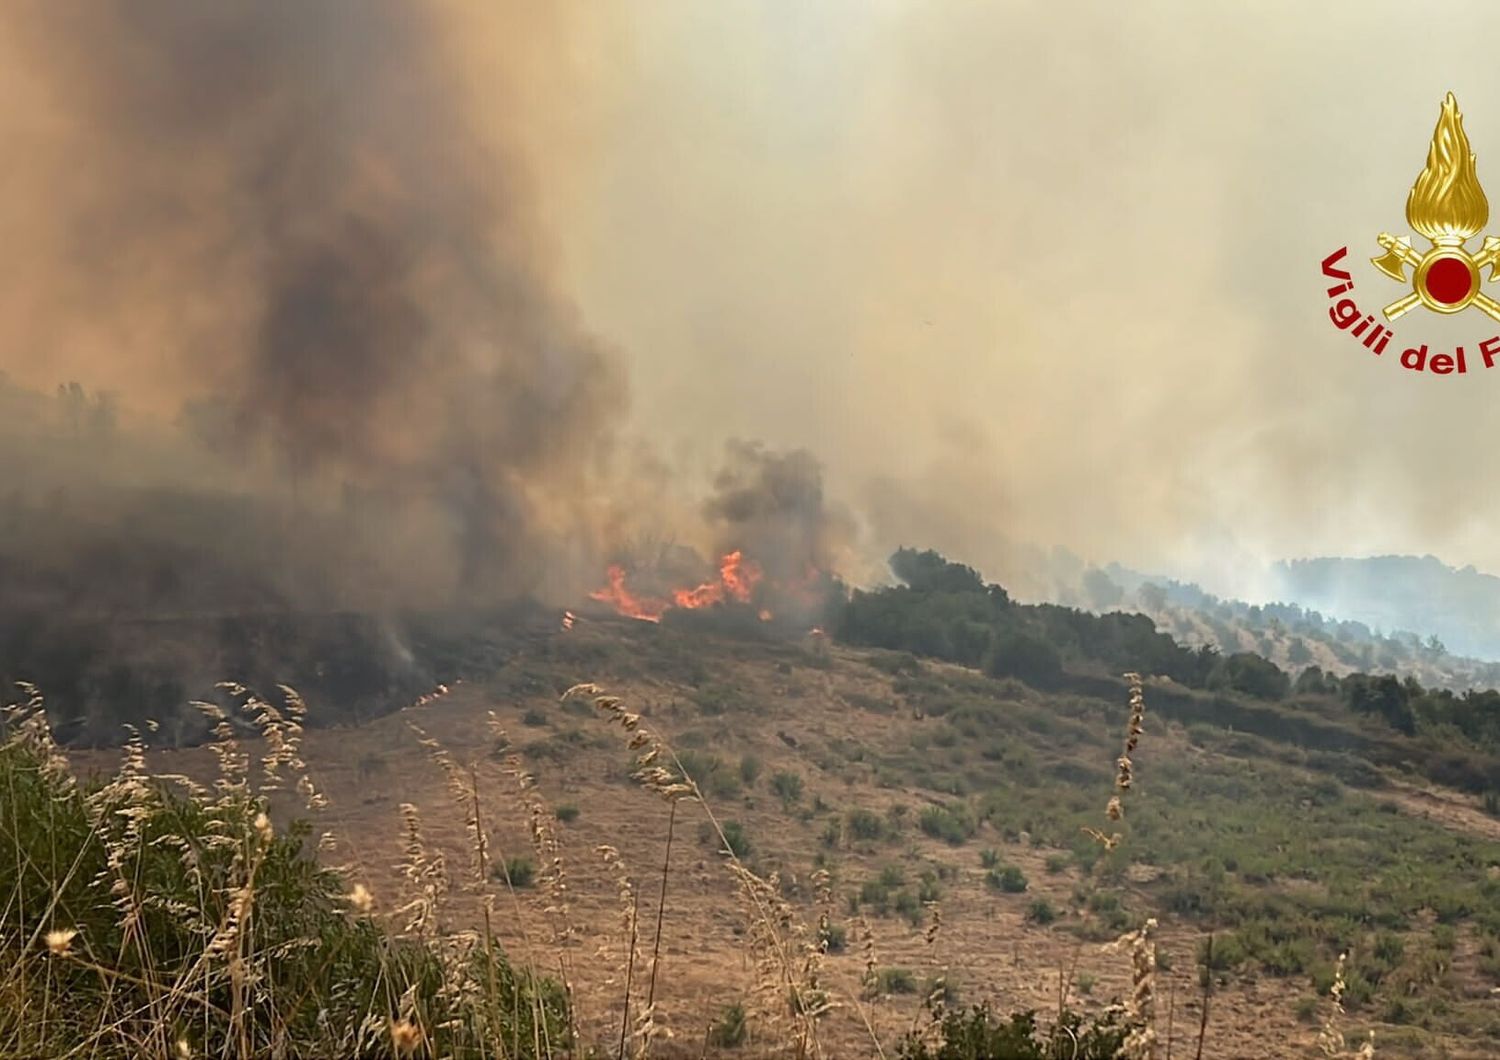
pixel 1249 673
pixel 929 572
pixel 1014 652
pixel 1312 682
pixel 1384 696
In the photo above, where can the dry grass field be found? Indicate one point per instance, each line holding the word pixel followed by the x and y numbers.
pixel 938 842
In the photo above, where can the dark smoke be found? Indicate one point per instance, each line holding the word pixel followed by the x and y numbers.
pixel 366 317
pixel 362 395
pixel 771 504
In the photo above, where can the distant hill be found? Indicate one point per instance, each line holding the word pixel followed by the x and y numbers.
pixel 1329 628
pixel 1461 607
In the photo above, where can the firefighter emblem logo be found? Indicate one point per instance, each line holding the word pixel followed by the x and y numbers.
pixel 1447 207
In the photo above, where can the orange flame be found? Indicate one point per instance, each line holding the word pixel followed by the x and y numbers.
pixel 737 580
pixel 645 608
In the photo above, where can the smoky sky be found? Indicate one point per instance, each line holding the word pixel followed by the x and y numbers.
pixel 290 230
pixel 1020 275
pixel 1029 274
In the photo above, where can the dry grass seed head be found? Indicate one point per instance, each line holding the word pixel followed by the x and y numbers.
pixel 406 1037
pixel 1140 1007
pixel 1331 1041
pixel 60 941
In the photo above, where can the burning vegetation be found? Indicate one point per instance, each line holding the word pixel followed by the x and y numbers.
pixel 779 548
pixel 736 582
pixel 740 581
pixel 365 396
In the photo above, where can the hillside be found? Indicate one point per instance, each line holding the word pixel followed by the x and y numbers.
pixel 1461 607
pixel 918 786
pixel 1333 632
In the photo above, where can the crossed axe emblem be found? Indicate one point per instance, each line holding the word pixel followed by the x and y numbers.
pixel 1446 278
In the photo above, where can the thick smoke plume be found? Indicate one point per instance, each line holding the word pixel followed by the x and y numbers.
pixel 315 373
pixel 772 505
pixel 771 548
pixel 286 220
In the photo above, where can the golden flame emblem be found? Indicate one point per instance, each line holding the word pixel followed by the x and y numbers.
pixel 1447 206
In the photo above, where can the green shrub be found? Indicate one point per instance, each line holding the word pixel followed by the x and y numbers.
pixel 895 981
pixel 717 699
pixel 787 786
pixel 979 1035
pixel 866 826
pixel 1228 953
pixel 1010 879
pixel 954 825
pixel 749 770
pixel 1015 652
pixel 989 857
pixel 534 718
pixel 1041 912
pixel 1389 948
pixel 835 938
pixel 519 871
pixel 874 895
pixel 736 839
pixel 567 812
pixel 711 773
pixel 928 890
pixel 729 1030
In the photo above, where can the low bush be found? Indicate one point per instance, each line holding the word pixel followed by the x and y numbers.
pixel 519 872
pixel 729 1030
pixel 787 786
pixel 895 981
pixel 1009 880
pixel 1041 912
pixel 978 1034
pixel 866 826
pixel 953 824
pixel 737 839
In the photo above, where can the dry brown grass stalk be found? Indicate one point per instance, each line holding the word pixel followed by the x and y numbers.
pixel 1331 1040
pixel 1140 1006
pixel 779 955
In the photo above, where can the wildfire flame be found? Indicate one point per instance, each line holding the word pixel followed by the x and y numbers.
pixel 737 580
pixel 618 595
pixel 1447 203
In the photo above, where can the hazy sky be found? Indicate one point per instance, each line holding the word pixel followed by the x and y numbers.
pixel 1052 268
pixel 1042 272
